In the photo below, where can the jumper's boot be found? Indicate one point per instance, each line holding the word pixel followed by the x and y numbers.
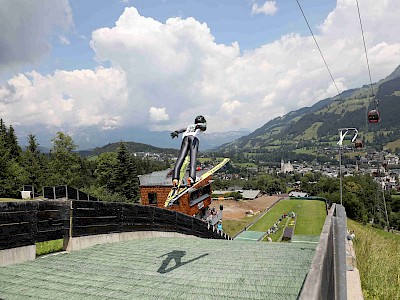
pixel 190 181
pixel 175 183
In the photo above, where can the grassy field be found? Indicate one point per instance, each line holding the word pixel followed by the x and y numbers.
pixel 246 165
pixel 393 145
pixel 310 132
pixel 232 227
pixel 310 218
pixel 396 196
pixel 9 199
pixel 378 260
pixel 47 247
pixel 15 199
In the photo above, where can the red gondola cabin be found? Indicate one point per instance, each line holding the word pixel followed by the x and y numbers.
pixel 358 144
pixel 373 116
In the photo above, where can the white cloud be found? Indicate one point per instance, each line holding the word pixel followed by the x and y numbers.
pixel 26 27
pixel 158 114
pixel 64 40
pixel 76 98
pixel 164 74
pixel 268 8
pixel 230 106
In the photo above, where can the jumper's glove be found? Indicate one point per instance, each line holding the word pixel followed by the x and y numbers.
pixel 174 134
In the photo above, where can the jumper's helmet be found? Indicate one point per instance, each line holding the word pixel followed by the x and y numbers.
pixel 199 119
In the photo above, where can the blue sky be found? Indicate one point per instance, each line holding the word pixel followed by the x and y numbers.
pixel 159 63
pixel 229 21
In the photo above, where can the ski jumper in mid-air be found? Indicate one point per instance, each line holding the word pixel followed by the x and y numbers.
pixel 190 142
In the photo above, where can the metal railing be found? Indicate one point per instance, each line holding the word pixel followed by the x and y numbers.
pixel 65 192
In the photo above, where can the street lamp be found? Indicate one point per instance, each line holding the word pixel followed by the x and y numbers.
pixel 342 134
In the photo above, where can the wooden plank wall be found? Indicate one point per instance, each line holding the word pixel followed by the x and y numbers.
pixel 17 224
pixel 92 217
pixel 53 220
pixel 23 223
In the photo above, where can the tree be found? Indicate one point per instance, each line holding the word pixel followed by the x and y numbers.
pixel 64 164
pixel 34 163
pixel 124 180
pixel 4 167
pixel 12 143
pixel 105 164
pixel 269 184
pixel 3 129
pixel 12 176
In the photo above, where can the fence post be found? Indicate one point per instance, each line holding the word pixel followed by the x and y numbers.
pixel 66 192
pixel 34 228
pixel 54 193
pixel 120 216
pixel 69 235
pixel 176 221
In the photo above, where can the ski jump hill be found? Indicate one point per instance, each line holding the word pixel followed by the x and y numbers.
pixel 134 252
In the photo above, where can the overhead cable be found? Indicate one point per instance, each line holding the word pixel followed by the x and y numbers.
pixel 365 50
pixel 309 27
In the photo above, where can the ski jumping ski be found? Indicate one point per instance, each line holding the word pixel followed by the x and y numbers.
pixel 184 190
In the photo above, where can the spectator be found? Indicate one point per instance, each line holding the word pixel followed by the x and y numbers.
pixel 219 226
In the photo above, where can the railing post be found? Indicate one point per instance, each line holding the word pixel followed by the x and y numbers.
pixel 69 235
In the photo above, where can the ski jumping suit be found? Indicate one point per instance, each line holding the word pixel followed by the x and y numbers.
pixel 189 143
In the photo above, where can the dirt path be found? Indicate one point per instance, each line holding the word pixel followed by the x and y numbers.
pixel 237 209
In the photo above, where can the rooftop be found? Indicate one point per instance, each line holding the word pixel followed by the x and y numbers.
pixel 164 268
pixel 247 194
pixel 162 178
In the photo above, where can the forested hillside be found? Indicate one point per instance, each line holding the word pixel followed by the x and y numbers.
pixel 315 128
pixel 131 147
pixel 111 176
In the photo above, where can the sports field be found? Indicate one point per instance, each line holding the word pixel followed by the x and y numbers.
pixel 310 218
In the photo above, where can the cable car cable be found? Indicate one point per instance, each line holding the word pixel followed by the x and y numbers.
pixel 373 115
pixel 365 50
pixel 309 27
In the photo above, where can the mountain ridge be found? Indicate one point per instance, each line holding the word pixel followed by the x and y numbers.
pixel 317 126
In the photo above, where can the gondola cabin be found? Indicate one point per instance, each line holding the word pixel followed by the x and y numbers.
pixel 358 144
pixel 373 116
pixel 154 189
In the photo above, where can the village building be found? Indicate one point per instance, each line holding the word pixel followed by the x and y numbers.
pixel 298 194
pixel 246 194
pixel 286 167
pixel 155 187
pixel 392 159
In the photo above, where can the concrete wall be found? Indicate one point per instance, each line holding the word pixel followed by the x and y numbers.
pixel 17 255
pixel 354 291
pixel 78 243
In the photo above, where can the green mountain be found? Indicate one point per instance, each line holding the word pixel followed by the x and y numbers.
pixel 131 147
pixel 304 134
